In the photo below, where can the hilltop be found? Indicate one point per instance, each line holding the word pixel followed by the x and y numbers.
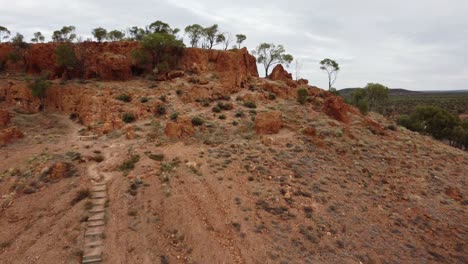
pixel 208 163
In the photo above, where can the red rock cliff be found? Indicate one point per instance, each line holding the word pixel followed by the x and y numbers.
pixel 112 61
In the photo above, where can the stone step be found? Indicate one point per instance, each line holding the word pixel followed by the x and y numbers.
pixel 100 194
pixel 99 201
pixel 92 261
pixel 95 223
pixel 98 188
pixel 96 216
pixel 92 242
pixel 92 255
pixel 97 208
pixel 94 231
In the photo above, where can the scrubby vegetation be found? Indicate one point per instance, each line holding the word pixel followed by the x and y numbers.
pixel 439 123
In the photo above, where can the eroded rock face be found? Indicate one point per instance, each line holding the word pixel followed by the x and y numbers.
pixel 4 117
pixel 9 135
pixel 113 61
pixel 268 122
pixel 178 129
pixel 280 74
pixel 336 108
pixel 111 66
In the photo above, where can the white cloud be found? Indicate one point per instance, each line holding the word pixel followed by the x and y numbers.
pixel 418 44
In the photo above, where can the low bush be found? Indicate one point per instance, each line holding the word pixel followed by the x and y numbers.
pixel 128 117
pixel 302 95
pixel 197 121
pixel 124 98
pixel 250 105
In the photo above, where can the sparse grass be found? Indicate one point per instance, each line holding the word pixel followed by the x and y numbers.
pixel 98 158
pixel 132 212
pixel 157 157
pixel 197 121
pixel 124 98
pixel 250 105
pixel 161 110
pixel 216 109
pixel 129 164
pixel 5 244
pixel 128 117
pixel 174 116
pixel 225 106
pixel 80 195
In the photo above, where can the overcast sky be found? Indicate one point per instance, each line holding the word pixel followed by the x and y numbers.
pixel 412 44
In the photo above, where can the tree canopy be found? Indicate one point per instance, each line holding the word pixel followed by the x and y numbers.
pixel 211 37
pixel 332 68
pixel 38 88
pixel 66 57
pixel 439 123
pixel 372 97
pixel 269 54
pixel 194 32
pixel 161 27
pixel 38 37
pixel 163 49
pixel 115 35
pixel 4 33
pixel 66 34
pixel 99 33
pixel 239 39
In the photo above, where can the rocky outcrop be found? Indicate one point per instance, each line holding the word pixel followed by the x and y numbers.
pixel 280 74
pixel 234 67
pixel 9 135
pixel 268 122
pixel 111 66
pixel 4 117
pixel 178 129
pixel 335 107
pixel 113 61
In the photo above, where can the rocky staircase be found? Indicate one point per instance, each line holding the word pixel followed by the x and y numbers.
pixel 95 226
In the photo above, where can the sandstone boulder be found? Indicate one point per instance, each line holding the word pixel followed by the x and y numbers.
pixel 280 74
pixel 60 170
pixel 336 108
pixel 112 66
pixel 175 74
pixel 9 135
pixel 268 122
pixel 4 117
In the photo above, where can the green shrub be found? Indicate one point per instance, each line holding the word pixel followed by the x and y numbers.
pixel 80 195
pixel 302 95
pixel 222 117
pixel 161 110
pixel 128 117
pixel 124 98
pixel 225 106
pixel 14 57
pixel 129 164
pixel 250 105
pixel 239 114
pixel 179 92
pixel 174 116
pixel 271 96
pixel 216 109
pixel 197 121
pixel 157 157
pixel 163 98
pixel 144 99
